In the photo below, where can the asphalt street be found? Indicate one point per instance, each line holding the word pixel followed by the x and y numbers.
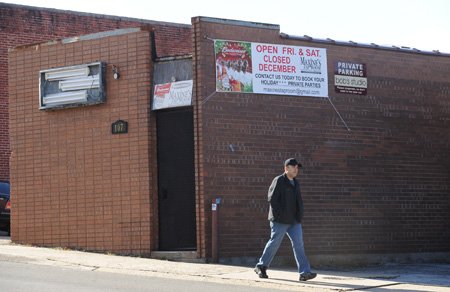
pixel 20 277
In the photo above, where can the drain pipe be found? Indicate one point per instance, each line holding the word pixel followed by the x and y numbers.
pixel 215 230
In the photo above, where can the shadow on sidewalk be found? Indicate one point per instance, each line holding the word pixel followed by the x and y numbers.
pixel 424 277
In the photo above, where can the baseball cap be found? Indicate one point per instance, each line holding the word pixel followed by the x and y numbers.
pixel 292 161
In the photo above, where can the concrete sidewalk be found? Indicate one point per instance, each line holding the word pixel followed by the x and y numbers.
pixel 418 277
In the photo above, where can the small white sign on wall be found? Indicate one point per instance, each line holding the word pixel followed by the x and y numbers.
pixel 174 94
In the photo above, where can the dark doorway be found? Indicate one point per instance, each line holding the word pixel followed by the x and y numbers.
pixel 176 180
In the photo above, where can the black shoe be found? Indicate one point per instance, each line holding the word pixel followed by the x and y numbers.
pixel 261 271
pixel 307 276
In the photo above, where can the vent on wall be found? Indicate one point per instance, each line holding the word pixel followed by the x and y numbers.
pixel 72 86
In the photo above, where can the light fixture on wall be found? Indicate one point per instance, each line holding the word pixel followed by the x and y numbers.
pixel 87 82
pixel 59 74
pixel 116 74
pixel 72 86
pixel 65 98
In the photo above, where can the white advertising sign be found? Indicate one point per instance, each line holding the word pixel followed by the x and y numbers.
pixel 271 69
pixel 173 94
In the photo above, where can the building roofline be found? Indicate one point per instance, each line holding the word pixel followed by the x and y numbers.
pixel 363 45
pixel 99 35
pixel 239 22
pixel 91 36
pixel 321 41
pixel 113 17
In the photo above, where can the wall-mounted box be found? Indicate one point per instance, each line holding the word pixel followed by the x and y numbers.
pixel 72 86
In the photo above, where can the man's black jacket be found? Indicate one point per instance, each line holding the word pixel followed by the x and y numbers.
pixel 286 204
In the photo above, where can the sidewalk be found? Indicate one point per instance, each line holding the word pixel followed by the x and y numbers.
pixel 418 277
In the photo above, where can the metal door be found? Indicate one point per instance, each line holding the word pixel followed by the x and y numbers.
pixel 176 180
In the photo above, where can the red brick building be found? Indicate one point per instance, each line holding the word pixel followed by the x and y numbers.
pixel 381 188
pixel 41 25
pixel 374 192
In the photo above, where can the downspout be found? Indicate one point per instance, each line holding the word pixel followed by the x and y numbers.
pixel 197 104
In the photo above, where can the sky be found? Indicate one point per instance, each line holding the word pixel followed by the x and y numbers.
pixel 420 24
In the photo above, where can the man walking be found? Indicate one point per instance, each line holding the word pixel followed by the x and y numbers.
pixel 285 216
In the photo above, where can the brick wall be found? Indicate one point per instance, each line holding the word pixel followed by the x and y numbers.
pixel 74 183
pixel 21 25
pixel 382 187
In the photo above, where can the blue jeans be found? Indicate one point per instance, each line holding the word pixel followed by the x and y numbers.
pixel 278 231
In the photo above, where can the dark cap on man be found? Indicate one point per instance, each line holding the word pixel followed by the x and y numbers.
pixel 293 162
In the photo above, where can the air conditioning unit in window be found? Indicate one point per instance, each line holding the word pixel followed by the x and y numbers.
pixel 72 86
